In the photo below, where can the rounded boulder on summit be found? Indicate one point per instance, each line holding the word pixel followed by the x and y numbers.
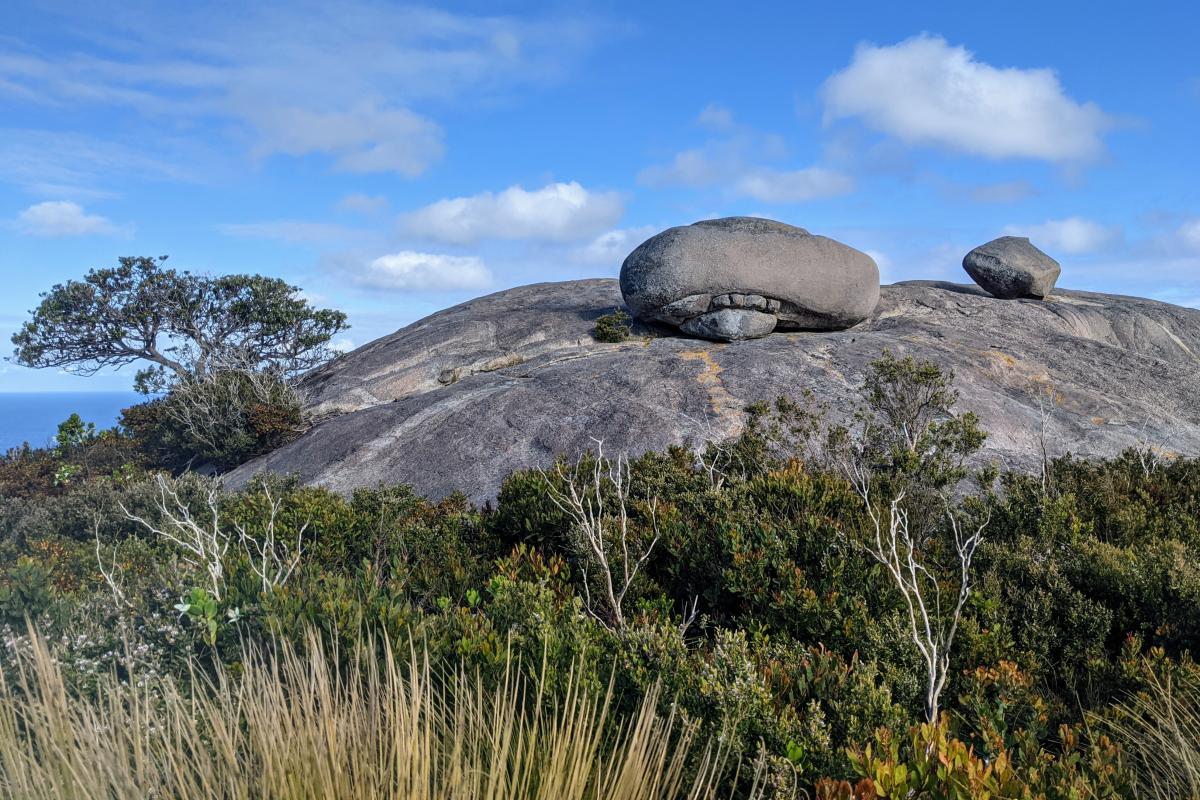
pixel 744 277
pixel 1011 267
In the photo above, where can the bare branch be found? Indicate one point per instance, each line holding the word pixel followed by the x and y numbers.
pixel 932 628
pixel 603 535
pixel 109 573
pixel 205 542
pixel 271 558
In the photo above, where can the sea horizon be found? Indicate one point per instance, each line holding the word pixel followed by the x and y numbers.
pixel 33 417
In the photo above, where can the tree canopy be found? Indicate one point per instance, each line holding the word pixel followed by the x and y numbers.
pixel 185 325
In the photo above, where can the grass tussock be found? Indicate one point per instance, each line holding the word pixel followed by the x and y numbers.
pixel 294 726
pixel 1159 731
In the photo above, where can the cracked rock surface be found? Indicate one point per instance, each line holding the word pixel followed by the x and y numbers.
pixel 459 399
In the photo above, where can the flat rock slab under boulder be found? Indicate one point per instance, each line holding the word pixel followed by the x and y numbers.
pixel 462 398
pixel 1011 267
pixel 743 277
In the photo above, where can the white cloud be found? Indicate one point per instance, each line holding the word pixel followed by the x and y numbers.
pixel 63 218
pixel 558 212
pixel 728 167
pixel 715 117
pixel 793 186
pixel 361 139
pixel 611 247
pixel 1072 235
pixel 693 168
pixel 360 203
pixel 342 345
pixel 884 263
pixel 409 269
pixel 289 230
pixel 310 297
pixel 924 91
pixel 342 80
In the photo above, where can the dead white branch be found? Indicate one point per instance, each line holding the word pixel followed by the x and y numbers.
pixel 272 558
pixel 932 626
pixel 602 529
pixel 1150 455
pixel 713 451
pixel 204 540
pixel 109 572
pixel 204 405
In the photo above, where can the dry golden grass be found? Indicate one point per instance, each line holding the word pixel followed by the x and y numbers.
pixel 1159 733
pixel 291 726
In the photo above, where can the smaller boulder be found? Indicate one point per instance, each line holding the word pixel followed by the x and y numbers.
pixel 1011 267
pixel 730 324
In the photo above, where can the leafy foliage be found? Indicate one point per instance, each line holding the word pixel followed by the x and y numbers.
pixel 612 328
pixel 221 420
pixel 757 617
pixel 222 351
pixel 185 325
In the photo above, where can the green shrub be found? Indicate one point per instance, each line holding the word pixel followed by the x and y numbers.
pixel 221 420
pixel 930 762
pixel 25 591
pixel 81 454
pixel 757 617
pixel 613 328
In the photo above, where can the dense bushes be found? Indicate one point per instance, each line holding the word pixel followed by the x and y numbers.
pixel 218 421
pixel 755 615
pixel 216 424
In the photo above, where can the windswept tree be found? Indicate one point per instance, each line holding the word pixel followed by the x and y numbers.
pixel 182 326
pixel 222 349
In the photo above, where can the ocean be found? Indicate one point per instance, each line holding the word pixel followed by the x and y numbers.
pixel 34 416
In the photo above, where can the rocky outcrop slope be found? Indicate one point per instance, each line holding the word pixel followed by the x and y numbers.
pixel 458 400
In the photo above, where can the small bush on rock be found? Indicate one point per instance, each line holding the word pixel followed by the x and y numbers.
pixel 613 328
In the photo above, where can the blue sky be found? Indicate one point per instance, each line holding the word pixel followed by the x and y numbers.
pixel 393 160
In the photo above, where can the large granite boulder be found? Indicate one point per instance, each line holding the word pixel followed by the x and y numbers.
pixel 743 277
pixel 1011 267
pixel 460 399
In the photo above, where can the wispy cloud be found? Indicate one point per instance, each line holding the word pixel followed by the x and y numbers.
pixel 290 230
pixel 1073 235
pixel 793 186
pixel 1189 233
pixel 716 117
pixel 744 163
pixel 611 247
pixel 295 78
pixel 1003 192
pixel 360 203
pixel 82 166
